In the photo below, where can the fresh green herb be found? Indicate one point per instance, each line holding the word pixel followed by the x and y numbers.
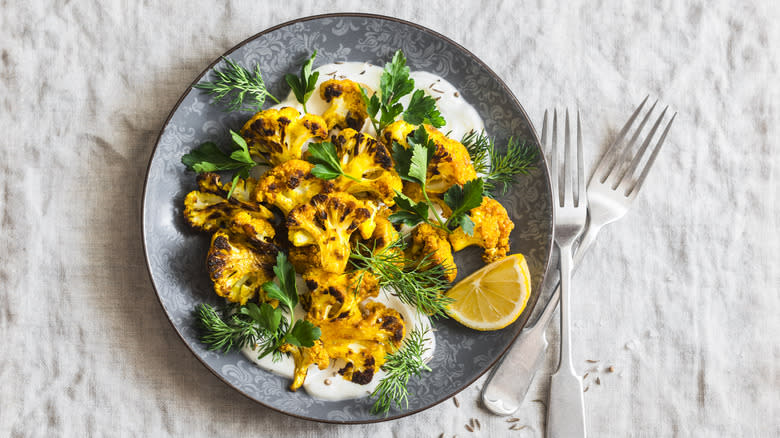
pixel 326 161
pixel 303 86
pixel 384 108
pixel 302 333
pixel 401 365
pixel 461 200
pixel 263 327
pixel 209 158
pixel 240 88
pixel 412 165
pixel 418 282
pixel 422 109
pixel 498 168
pixel 234 327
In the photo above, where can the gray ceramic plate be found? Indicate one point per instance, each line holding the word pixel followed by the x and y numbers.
pixel 176 256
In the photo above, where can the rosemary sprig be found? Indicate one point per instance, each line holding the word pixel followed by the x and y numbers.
pixel 498 168
pixel 404 363
pixel 241 89
pixel 418 283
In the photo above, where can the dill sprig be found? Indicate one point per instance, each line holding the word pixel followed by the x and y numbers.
pixel 233 328
pixel 497 167
pixel 419 283
pixel 241 89
pixel 401 365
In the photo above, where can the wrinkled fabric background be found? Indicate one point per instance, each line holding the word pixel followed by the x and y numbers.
pixel 681 297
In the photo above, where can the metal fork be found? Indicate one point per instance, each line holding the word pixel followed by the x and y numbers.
pixel 611 190
pixel 566 409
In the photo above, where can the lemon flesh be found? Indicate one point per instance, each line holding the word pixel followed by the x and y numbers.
pixel 492 297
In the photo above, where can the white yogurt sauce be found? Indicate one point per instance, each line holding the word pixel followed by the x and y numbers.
pixel 461 118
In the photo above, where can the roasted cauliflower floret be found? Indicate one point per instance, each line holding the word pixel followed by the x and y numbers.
pixel 208 208
pixel 363 344
pixel 238 267
pixel 367 160
pixel 492 227
pixel 347 109
pixel 305 258
pixel 429 242
pixel 451 163
pixel 303 358
pixel 280 134
pixel 336 296
pixel 327 221
pixel 289 185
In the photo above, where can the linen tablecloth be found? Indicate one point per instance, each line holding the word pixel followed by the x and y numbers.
pixel 681 297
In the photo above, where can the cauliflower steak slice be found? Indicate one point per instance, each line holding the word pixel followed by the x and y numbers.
pixel 492 227
pixel 238 267
pixel 280 134
pixel 328 221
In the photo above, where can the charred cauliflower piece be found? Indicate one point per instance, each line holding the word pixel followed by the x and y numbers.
pixel 335 297
pixel 327 221
pixel 363 158
pixel 280 134
pixel 208 208
pixel 451 163
pixel 305 258
pixel 303 358
pixel 492 227
pixel 384 233
pixel 364 344
pixel 237 267
pixel 430 242
pixel 289 185
pixel 347 109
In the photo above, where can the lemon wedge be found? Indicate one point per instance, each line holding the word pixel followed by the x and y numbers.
pixel 494 296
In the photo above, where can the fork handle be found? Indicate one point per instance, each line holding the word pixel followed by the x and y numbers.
pixel 566 409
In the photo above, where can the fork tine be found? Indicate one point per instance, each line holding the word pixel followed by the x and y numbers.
pixel 568 163
pixel 554 155
pixel 631 168
pixel 614 174
pixel 609 155
pixel 650 161
pixel 580 164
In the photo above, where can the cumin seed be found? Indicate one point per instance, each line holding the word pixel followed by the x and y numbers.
pixel 479 426
pixel 438 91
pixel 598 381
pixel 455 400
pixel 469 428
pixel 471 422
pixel 585 376
pixel 362 72
pixel 591 361
pixel 586 389
pixel 513 420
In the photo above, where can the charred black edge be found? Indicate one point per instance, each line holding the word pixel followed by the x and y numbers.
pixel 534 295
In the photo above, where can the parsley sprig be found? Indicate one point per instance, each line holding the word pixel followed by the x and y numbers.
pixel 401 365
pixel 303 85
pixel 262 326
pixel 497 167
pixel 241 89
pixel 384 107
pixel 326 161
pixel 209 158
pixel 418 282
pixel 412 165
